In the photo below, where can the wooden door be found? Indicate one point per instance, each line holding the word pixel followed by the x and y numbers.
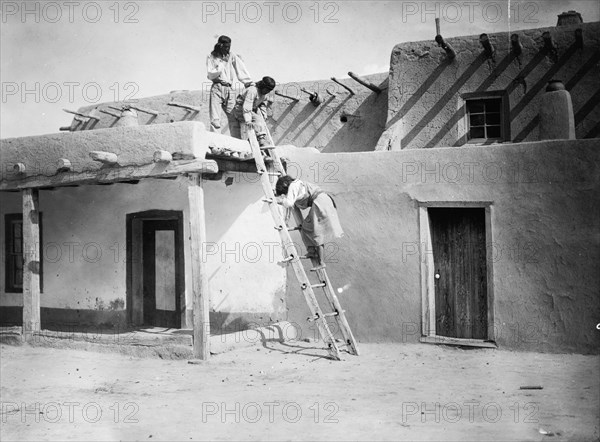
pixel 459 256
pixel 161 269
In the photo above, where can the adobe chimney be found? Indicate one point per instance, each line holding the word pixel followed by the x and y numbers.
pixel 569 18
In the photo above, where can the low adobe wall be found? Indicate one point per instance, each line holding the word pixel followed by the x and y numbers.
pixel 544 235
pixel 291 122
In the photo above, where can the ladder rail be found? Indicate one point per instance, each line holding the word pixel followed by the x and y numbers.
pixel 340 318
pixel 281 220
pixel 330 295
pixel 290 249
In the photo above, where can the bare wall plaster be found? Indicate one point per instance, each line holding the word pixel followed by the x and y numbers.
pixel 545 238
pixel 425 108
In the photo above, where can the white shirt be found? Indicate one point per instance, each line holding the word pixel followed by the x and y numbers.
pixel 296 191
pixel 223 70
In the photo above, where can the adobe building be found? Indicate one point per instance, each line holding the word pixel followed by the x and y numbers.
pixel 464 224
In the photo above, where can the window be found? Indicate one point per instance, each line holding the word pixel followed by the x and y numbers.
pixel 484 118
pixel 487 117
pixel 14 253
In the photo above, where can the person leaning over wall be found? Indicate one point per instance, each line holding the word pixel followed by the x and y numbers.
pixel 221 66
pixel 321 225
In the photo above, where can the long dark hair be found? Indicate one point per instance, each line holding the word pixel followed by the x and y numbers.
pixel 217 51
pixel 283 184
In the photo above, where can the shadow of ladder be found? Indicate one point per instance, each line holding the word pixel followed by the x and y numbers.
pixel 268 176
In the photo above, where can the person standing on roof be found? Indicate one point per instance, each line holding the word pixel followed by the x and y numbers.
pixel 221 66
pixel 251 110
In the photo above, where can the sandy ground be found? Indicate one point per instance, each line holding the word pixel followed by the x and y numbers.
pixel 291 392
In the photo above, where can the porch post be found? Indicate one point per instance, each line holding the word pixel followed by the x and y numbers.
pixel 200 289
pixel 31 263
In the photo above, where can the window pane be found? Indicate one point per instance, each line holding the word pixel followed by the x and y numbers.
pixel 494 132
pixel 477 132
pixel 477 120
pixel 474 106
pixel 18 278
pixel 18 229
pixel 492 105
pixel 492 119
pixel 17 245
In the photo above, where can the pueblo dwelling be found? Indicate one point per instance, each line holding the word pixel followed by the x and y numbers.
pixel 466 180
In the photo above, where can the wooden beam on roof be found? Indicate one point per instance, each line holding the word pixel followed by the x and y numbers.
pixel 64 165
pixel 335 80
pixel 200 287
pixel 365 83
pixel 188 107
pixel 114 174
pixel 108 158
pixel 31 263
pixel 162 156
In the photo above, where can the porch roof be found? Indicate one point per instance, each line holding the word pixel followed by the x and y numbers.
pixel 120 154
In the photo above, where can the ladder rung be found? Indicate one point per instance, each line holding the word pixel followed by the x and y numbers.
pixel 271 165
pixel 336 313
pixel 260 172
pixel 325 315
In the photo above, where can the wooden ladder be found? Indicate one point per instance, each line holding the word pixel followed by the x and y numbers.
pixel 268 177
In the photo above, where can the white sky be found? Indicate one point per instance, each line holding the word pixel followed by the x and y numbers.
pixel 69 54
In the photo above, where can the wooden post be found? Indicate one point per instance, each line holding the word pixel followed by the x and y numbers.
pixel 286 96
pixel 364 82
pixel 31 263
pixel 200 292
pixel 335 80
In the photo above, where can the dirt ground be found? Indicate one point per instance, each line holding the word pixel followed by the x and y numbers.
pixel 289 391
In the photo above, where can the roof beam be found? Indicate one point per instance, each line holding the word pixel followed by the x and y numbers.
pixel 114 174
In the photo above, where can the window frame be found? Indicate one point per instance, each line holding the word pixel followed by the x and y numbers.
pixel 9 221
pixel 504 116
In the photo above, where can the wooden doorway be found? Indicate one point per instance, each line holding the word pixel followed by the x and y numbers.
pixel 458 304
pixel 155 269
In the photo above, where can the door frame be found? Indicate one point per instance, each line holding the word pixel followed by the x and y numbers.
pixel 134 263
pixel 428 326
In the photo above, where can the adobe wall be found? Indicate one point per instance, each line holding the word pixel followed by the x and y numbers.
pixel 425 105
pixel 84 250
pixel 291 122
pixel 134 146
pixel 544 238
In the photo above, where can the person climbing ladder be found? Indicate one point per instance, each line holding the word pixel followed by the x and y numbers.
pixel 321 225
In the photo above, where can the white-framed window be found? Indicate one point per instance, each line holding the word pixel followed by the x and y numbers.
pixel 487 117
